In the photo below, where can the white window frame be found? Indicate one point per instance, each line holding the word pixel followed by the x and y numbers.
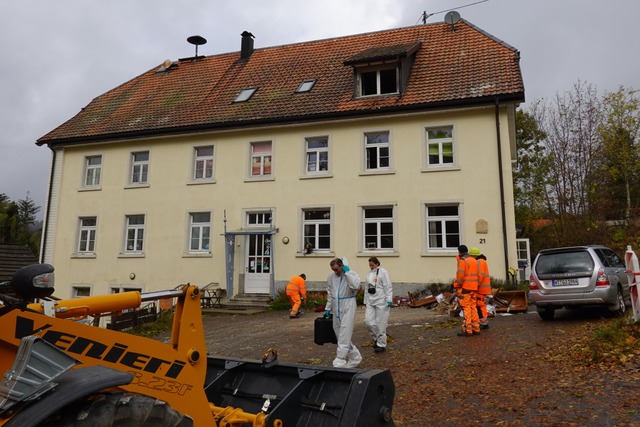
pixel 92 172
pixel 87 235
pixel 258 218
pixel 311 238
pixel 261 159
pixel 370 146
pixel 306 85
pixel 443 221
pixel 134 233
pixel 378 222
pixel 139 173
pixel 312 158
pixel 203 233
pixel 439 143
pixel 376 70
pixel 203 164
pixel 245 94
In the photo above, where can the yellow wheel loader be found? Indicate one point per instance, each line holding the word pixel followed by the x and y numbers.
pixel 61 371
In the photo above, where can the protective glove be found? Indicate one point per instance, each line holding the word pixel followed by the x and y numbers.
pixel 389 304
pixel 326 313
pixel 345 268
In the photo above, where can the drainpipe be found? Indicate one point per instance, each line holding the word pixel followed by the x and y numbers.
pixel 45 228
pixel 502 201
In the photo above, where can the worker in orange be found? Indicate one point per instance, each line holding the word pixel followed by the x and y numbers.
pixel 466 287
pixel 484 286
pixel 297 293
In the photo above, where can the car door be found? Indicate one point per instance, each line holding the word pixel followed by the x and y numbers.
pixel 615 268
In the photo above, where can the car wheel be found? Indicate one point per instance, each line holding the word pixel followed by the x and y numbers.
pixel 620 309
pixel 546 314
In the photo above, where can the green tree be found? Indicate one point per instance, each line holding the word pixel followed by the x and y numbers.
pixel 16 220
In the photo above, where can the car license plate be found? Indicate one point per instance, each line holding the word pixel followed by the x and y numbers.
pixel 564 282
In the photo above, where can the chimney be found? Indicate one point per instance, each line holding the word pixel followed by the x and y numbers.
pixel 246 48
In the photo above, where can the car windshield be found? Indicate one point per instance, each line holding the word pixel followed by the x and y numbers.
pixel 564 262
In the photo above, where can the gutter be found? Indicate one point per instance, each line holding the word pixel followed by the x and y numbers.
pixel 43 241
pixel 502 201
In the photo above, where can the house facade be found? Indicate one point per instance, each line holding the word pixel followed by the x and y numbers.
pixel 246 168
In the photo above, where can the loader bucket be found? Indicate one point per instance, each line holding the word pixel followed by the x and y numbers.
pixel 302 395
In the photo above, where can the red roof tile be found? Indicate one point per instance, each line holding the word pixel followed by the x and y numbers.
pixel 451 68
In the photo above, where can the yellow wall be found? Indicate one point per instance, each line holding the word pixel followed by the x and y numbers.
pixel 170 196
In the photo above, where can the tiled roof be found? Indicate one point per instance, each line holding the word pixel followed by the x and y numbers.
pixel 458 67
pixel 13 257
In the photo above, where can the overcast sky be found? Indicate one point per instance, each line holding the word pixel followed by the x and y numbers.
pixel 58 55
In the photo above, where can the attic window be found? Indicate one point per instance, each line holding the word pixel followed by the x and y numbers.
pixel 306 86
pixel 245 94
pixel 374 81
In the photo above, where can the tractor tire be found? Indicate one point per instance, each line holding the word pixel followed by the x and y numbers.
pixel 119 410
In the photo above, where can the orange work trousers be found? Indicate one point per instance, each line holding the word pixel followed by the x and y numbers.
pixel 294 299
pixel 468 303
pixel 482 308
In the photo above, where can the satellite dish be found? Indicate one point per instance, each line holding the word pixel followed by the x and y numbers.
pixel 167 63
pixel 452 18
pixel 197 41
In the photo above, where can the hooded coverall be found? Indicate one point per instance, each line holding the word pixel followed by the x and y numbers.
pixel 376 315
pixel 484 289
pixel 341 300
pixel 466 284
pixel 296 289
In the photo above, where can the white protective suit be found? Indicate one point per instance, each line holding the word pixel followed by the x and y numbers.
pixel 376 315
pixel 341 300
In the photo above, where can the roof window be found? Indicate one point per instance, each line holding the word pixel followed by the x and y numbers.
pixel 306 85
pixel 245 94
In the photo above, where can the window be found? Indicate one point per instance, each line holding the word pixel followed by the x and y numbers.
pixel 378 81
pixel 306 86
pixel 443 227
pixel 134 234
pixel 92 169
pixel 316 229
pixel 80 291
pixel 87 235
pixel 257 219
pixel 139 167
pixel 203 165
pixel 317 150
pixel 376 150
pixel 261 159
pixel 200 232
pixel 378 228
pixel 245 94
pixel 440 146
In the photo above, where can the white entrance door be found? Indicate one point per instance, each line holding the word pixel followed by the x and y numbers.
pixel 258 268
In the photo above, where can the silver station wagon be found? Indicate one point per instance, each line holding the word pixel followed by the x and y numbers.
pixel 579 276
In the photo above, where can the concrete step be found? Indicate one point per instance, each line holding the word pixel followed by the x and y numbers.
pixel 249 301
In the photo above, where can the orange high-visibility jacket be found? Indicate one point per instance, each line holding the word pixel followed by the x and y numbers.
pixel 484 285
pixel 297 286
pixel 467 274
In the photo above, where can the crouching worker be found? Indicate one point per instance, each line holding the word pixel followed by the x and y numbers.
pixel 342 286
pixel 297 293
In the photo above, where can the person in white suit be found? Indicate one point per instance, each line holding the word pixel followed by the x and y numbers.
pixel 378 297
pixel 342 286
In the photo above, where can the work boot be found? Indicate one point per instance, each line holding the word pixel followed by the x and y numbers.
pixel 379 349
pixel 465 334
pixel 339 363
pixel 294 317
pixel 484 326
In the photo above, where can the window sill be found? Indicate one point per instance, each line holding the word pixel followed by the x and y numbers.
pixel 91 255
pixel 197 255
pixel 260 179
pixel 130 186
pixel 377 172
pixel 201 182
pixel 443 253
pixel 132 255
pixel 96 188
pixel 378 253
pixel 317 176
pixel 323 254
pixel 440 169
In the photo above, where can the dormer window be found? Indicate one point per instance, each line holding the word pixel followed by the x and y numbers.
pixel 245 94
pixel 383 70
pixel 374 81
pixel 306 86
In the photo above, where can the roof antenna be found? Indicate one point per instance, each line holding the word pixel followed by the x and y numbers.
pixel 197 41
pixel 426 15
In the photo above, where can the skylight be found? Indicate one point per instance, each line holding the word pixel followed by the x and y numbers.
pixel 306 85
pixel 245 94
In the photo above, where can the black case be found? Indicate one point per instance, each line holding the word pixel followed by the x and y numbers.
pixel 323 331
